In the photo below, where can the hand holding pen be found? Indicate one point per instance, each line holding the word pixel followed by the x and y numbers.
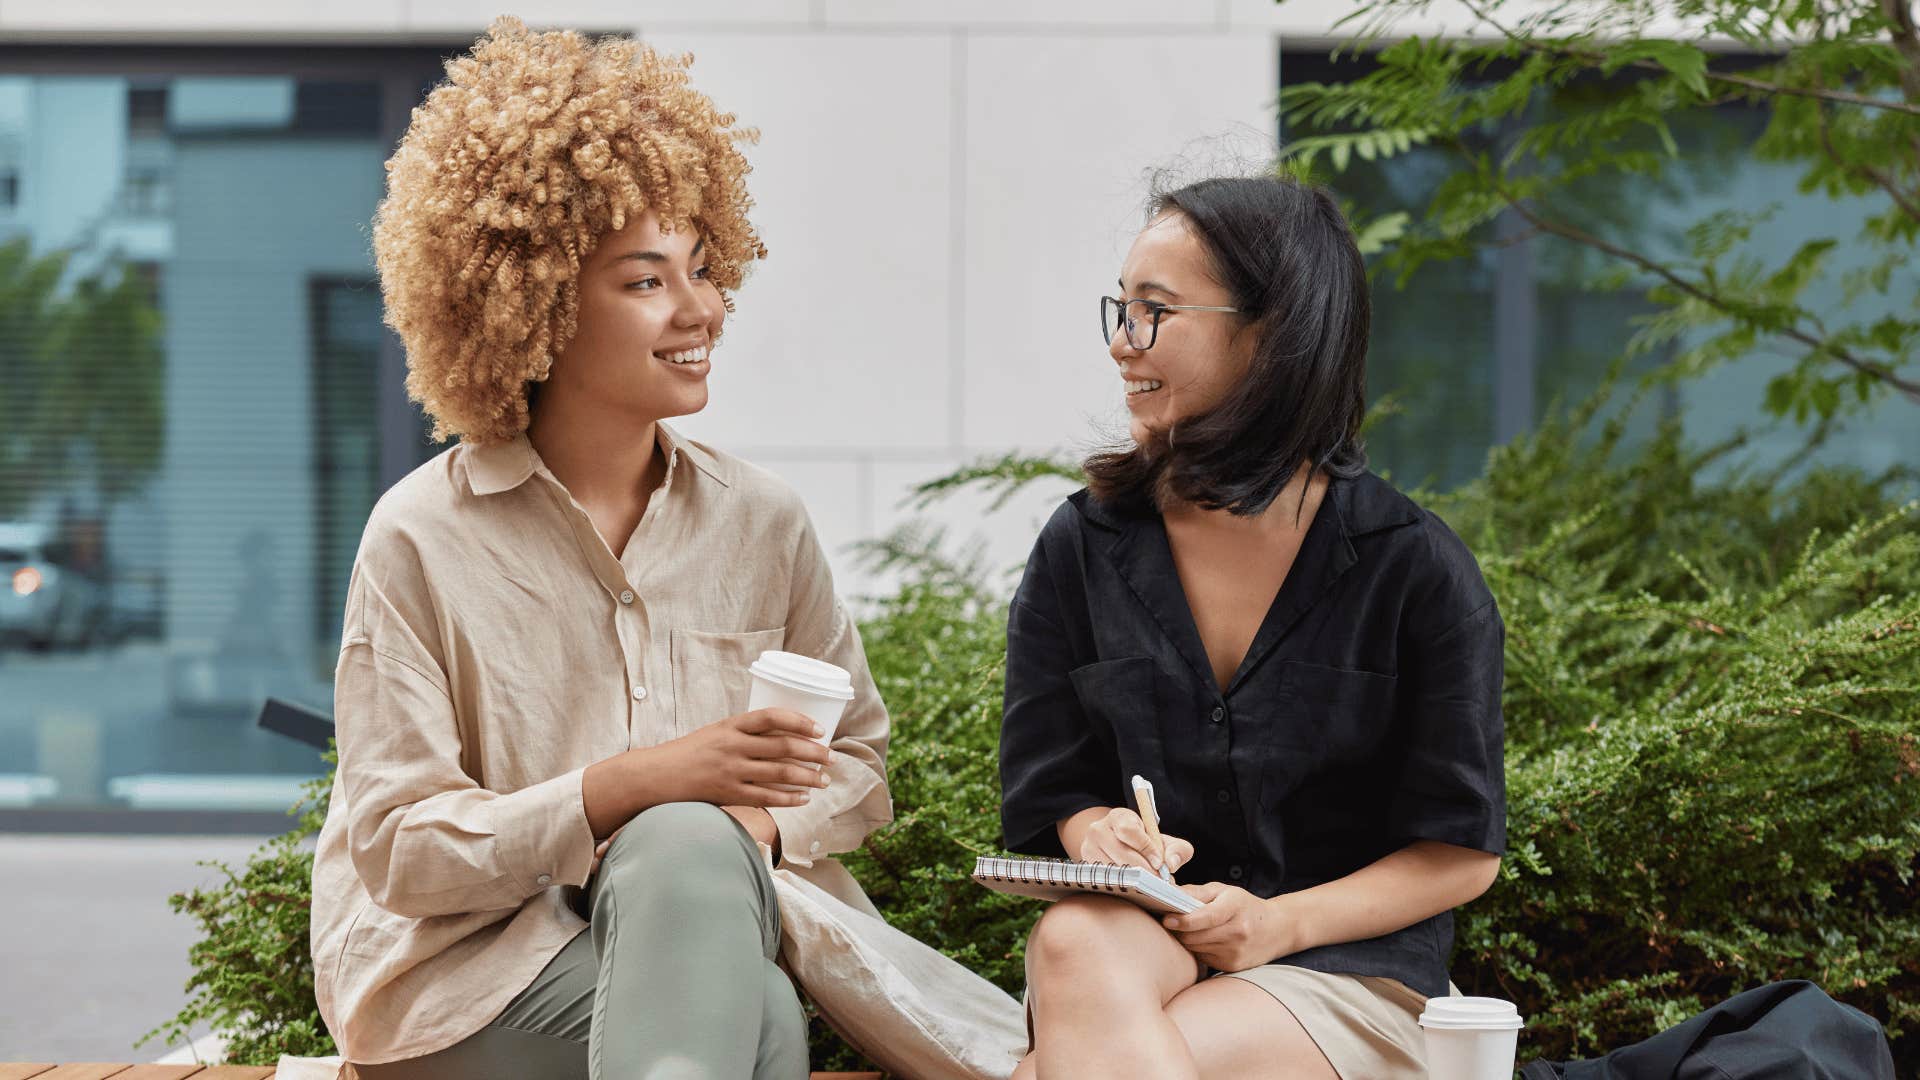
pixel 1120 836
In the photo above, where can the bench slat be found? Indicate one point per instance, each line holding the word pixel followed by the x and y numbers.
pixel 161 1072
pixel 102 1071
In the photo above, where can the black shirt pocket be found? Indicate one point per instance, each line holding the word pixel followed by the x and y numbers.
pixel 1345 713
pixel 1120 700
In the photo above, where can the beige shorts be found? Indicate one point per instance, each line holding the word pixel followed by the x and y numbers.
pixel 1367 1026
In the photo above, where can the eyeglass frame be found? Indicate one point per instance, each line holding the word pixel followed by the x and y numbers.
pixel 1155 306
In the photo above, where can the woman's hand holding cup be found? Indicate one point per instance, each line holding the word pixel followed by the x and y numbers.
pixel 1121 837
pixel 736 761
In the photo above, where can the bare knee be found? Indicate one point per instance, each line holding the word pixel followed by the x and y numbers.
pixel 1077 930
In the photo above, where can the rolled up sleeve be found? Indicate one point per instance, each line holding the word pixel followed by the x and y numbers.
pixel 856 800
pixel 1452 786
pixel 425 838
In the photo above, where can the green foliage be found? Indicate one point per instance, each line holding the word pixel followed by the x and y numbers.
pixel 1713 756
pixel 1713 725
pixel 1569 120
pixel 937 648
pixel 81 365
pixel 252 976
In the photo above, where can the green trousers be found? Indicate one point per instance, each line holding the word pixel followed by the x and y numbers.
pixel 673 980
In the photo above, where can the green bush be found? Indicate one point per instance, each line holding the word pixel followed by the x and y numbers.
pixel 252 976
pixel 1712 702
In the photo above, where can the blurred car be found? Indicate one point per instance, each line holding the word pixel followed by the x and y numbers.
pixel 43 602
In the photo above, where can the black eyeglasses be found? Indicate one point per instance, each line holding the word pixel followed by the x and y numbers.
pixel 1141 318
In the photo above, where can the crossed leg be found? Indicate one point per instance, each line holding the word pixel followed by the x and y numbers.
pixel 1113 993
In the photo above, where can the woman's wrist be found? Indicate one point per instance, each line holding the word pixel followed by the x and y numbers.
pixel 759 823
pixel 1290 921
pixel 1073 830
pixel 616 789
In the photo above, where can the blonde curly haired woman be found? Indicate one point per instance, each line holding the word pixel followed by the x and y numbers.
pixel 541 690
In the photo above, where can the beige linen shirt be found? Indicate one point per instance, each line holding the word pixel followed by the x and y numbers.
pixel 493 648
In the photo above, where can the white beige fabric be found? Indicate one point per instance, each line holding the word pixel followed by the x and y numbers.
pixel 1368 1027
pixel 493 648
pixel 908 1008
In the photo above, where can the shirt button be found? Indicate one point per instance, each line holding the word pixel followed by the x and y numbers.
pixel 543 879
pixel 639 693
pixel 1219 714
pixel 626 596
pixel 1223 795
pixel 814 847
pixel 1235 872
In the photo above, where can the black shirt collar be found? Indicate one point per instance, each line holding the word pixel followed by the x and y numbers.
pixel 1137 544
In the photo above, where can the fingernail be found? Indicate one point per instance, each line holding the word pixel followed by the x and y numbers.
pixel 805 796
pixel 818 731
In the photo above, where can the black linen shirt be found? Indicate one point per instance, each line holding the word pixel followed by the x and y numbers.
pixel 1365 716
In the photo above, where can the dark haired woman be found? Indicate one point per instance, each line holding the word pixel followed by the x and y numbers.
pixel 1305 663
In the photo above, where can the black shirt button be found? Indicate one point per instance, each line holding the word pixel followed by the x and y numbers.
pixel 1219 713
pixel 1235 872
pixel 1223 795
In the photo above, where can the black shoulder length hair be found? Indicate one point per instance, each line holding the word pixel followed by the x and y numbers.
pixel 1287 256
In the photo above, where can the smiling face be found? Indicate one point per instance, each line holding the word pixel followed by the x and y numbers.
pixel 648 319
pixel 1198 355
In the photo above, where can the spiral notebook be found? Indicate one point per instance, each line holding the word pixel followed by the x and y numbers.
pixel 1051 879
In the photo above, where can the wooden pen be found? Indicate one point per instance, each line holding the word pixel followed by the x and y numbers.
pixel 1150 816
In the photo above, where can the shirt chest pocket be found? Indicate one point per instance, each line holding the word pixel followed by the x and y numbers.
pixel 1346 712
pixel 1119 698
pixel 710 680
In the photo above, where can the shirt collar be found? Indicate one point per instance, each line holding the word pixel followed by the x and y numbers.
pixel 498 467
pixel 1136 542
pixel 1365 504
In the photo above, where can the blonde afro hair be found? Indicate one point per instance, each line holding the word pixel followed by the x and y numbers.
pixel 535 146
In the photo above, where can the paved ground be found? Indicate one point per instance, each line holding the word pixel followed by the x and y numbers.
pixel 91 957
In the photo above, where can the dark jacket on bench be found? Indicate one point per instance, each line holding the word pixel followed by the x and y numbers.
pixel 1780 1031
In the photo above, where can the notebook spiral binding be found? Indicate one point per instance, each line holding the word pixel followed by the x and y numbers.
pixel 1105 877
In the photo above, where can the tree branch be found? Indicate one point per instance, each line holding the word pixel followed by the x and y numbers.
pixel 1880 177
pixel 1843 96
pixel 1846 97
pixel 1580 236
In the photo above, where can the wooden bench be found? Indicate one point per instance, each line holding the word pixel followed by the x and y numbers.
pixel 26 1070
pixel 96 1071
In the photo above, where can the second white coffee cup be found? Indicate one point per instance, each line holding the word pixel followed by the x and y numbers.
pixel 815 688
pixel 1471 1038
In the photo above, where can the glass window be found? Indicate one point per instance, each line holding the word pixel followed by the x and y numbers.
pixel 191 358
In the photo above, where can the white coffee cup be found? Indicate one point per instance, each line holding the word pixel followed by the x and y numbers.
pixel 815 688
pixel 1471 1038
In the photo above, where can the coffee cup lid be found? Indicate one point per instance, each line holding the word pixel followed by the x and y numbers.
pixel 1471 1013
pixel 804 673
